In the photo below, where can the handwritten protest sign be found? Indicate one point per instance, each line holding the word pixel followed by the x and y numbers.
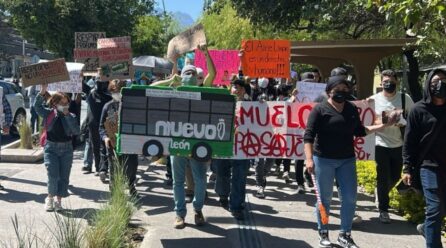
pixel 266 58
pixel 308 91
pixel 74 85
pixel 86 50
pixel 276 130
pixel 115 58
pixel 87 40
pixel 226 63
pixel 186 41
pixel 47 72
pixel 188 121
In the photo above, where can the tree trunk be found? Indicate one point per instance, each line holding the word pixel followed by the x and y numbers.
pixel 415 88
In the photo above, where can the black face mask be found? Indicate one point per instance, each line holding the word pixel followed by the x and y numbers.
pixel 439 90
pixel 340 96
pixel 389 87
pixel 101 87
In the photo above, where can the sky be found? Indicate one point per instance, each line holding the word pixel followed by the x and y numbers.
pixel 191 7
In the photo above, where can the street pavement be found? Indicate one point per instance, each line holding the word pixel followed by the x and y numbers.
pixel 283 219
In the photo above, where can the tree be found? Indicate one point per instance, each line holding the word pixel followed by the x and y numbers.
pixel 52 24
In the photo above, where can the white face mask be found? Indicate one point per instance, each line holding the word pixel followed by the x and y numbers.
pixel 116 96
pixel 62 108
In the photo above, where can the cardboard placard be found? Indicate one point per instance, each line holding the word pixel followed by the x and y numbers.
pixel 186 41
pixel 276 130
pixel 74 85
pixel 87 40
pixel 115 58
pixel 308 91
pixel 47 72
pixel 226 63
pixel 266 58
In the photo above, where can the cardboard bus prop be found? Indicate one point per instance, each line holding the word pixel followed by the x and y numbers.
pixel 196 122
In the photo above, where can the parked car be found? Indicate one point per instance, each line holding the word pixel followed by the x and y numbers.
pixel 17 103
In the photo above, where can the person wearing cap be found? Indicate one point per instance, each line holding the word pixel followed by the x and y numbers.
pixel 389 141
pixel 230 184
pixel 189 78
pixel 329 151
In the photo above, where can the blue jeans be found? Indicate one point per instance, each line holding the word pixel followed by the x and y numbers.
pixel 434 196
pixel 88 154
pixel 199 174
pixel 344 171
pixel 233 187
pixel 58 158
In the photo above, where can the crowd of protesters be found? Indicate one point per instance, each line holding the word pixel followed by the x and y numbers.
pixel 418 153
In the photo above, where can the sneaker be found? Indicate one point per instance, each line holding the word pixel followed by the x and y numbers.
pixel 300 189
pixel 238 215
pixel 86 169
pixel 286 176
pixel 179 223
pixel 49 204
pixel 199 218
pixel 324 239
pixel 384 217
pixel 96 174
pixel 260 193
pixel 420 229
pixel 345 240
pixel 189 198
pixel 103 176
pixel 357 219
pixel 224 202
pixel 58 206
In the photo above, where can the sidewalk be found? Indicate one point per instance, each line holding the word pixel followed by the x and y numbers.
pixel 283 219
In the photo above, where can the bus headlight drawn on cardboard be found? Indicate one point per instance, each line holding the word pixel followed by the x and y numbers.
pixel 196 122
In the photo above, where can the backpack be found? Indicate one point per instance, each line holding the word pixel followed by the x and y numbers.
pixel 48 121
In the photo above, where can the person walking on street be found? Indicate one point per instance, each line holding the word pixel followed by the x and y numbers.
pixel 59 127
pixel 424 153
pixel 329 151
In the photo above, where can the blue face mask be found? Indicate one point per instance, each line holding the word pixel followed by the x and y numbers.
pixel 189 80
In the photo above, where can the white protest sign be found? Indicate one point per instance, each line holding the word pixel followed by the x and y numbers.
pixel 309 91
pixel 276 130
pixel 74 85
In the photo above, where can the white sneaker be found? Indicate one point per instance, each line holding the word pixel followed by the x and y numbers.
pixel 58 206
pixel 49 204
pixel 286 176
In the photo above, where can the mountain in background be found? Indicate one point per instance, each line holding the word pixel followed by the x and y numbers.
pixel 183 19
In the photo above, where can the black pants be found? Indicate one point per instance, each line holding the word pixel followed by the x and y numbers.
pixel 302 175
pixel 100 154
pixel 168 168
pixel 286 164
pixel 389 164
pixel 130 167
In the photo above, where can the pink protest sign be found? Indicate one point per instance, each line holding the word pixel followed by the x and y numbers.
pixel 226 63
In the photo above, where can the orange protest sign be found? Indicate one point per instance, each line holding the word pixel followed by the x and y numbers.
pixel 266 58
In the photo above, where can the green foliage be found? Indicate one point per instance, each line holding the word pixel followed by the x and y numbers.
pixel 111 222
pixel 366 171
pixel 25 136
pixel 410 204
pixel 52 24
pixel 68 232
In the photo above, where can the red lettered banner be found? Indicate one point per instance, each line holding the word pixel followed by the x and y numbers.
pixel 276 130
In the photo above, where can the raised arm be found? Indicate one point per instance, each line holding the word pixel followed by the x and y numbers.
pixel 209 79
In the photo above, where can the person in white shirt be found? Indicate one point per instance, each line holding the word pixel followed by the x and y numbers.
pixel 388 150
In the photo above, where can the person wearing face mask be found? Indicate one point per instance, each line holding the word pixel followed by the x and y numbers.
pixel 389 141
pixel 60 126
pixel 189 78
pixel 98 97
pixel 108 129
pixel 329 151
pixel 424 150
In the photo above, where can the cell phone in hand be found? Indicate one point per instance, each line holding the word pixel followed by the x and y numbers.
pixel 384 117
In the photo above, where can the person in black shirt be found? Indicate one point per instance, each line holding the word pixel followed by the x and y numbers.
pixel 329 151
pixel 424 151
pixel 59 127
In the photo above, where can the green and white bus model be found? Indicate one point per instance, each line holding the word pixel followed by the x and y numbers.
pixel 196 122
